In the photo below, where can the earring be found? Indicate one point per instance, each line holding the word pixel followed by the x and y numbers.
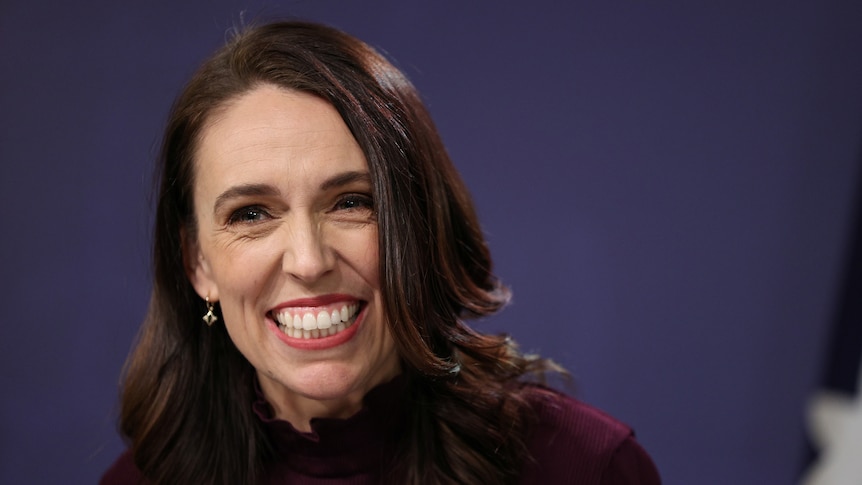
pixel 209 318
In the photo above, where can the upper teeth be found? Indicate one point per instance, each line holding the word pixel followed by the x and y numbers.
pixel 310 320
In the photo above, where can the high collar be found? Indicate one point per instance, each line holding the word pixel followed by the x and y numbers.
pixel 335 447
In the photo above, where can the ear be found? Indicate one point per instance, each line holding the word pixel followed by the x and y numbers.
pixel 197 268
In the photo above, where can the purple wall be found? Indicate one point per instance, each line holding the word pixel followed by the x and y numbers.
pixel 667 188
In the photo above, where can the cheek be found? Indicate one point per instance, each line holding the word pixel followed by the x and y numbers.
pixel 241 275
pixel 241 266
pixel 365 257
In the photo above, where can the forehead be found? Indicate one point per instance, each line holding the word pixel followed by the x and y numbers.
pixel 273 132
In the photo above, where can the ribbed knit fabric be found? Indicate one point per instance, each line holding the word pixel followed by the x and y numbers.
pixel 350 451
pixel 573 443
pixel 570 443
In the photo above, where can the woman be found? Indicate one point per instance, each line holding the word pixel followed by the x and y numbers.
pixel 309 212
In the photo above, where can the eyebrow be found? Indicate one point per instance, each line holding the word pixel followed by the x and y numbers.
pixel 252 190
pixel 344 179
pixel 246 190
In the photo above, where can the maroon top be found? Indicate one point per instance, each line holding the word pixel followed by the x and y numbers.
pixel 571 443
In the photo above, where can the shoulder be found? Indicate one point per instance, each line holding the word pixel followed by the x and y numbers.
pixel 572 442
pixel 122 472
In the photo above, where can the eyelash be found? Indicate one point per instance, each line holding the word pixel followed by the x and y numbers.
pixel 355 202
pixel 239 216
pixel 348 202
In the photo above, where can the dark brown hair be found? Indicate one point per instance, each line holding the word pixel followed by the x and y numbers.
pixel 187 392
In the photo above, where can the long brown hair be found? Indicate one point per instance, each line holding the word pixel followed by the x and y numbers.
pixel 187 392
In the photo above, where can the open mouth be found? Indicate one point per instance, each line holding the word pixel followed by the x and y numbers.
pixel 315 323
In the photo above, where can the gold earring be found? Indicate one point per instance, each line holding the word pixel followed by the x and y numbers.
pixel 209 318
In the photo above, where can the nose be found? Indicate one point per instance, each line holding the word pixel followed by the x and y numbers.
pixel 307 256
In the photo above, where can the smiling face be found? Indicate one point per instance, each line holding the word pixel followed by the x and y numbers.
pixel 286 242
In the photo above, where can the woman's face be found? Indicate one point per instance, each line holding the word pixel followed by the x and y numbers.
pixel 287 244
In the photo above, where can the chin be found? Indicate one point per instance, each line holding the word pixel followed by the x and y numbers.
pixel 326 381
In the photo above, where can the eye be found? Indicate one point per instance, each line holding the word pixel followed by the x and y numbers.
pixel 354 202
pixel 248 215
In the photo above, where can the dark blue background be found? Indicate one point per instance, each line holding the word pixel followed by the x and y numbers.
pixel 668 188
